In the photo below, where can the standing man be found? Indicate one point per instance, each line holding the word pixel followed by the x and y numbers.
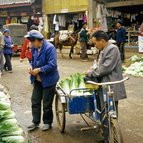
pixel 121 39
pixel 8 50
pixel 83 42
pixel 1 52
pixel 108 69
pixel 44 76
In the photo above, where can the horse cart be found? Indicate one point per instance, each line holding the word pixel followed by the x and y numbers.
pixel 17 32
pixel 88 105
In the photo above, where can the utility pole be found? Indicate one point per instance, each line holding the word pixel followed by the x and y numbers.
pixel 91 12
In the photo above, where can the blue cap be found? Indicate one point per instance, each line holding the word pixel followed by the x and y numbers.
pixel 34 34
pixel 6 30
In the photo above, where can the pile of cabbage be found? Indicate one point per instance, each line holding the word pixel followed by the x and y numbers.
pixel 75 82
pixel 10 132
pixel 136 67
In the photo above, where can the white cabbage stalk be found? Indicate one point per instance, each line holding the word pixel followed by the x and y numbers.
pixel 135 69
pixel 10 132
pixel 5 104
pixel 135 58
pixel 7 114
pixel 13 139
pixel 73 83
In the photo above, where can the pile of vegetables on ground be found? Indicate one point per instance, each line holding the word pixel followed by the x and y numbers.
pixel 75 81
pixel 10 132
pixel 136 66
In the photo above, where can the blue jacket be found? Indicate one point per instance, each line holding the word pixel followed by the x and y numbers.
pixel 47 61
pixel 7 45
pixel 121 35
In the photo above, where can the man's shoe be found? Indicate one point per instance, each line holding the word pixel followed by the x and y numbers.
pixel 105 141
pixel 85 60
pixel 46 127
pixel 10 71
pixel 32 127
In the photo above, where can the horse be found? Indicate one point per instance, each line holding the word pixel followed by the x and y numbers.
pixel 71 41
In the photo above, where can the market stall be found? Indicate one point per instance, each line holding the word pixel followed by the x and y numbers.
pixel 132 18
pixel 66 21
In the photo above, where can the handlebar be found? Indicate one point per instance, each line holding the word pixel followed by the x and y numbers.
pixel 107 83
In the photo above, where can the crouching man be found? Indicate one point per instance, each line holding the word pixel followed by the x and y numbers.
pixel 109 69
pixel 44 76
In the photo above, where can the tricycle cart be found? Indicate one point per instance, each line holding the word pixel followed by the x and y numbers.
pixel 90 107
pixel 71 104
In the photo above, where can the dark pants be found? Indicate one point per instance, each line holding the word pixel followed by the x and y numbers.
pixel 8 65
pixel 106 124
pixel 101 106
pixel 83 46
pixel 122 50
pixel 46 95
pixel 1 61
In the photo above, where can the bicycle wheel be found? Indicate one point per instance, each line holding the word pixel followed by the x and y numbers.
pixel 115 135
pixel 60 113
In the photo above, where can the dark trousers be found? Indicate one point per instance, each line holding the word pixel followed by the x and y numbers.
pixel 1 61
pixel 122 50
pixel 83 46
pixel 46 95
pixel 101 106
pixel 8 65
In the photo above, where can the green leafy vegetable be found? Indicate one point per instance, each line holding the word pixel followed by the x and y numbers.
pixel 7 114
pixel 10 132
pixel 73 83
pixel 4 105
pixel 13 139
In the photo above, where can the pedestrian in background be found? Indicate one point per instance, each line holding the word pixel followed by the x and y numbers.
pixel 1 52
pixel 83 42
pixel 44 76
pixel 27 47
pixel 8 50
pixel 121 39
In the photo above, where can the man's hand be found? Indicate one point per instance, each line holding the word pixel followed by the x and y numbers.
pixel 21 60
pixel 12 46
pixel 35 71
pixel 30 70
pixel 87 72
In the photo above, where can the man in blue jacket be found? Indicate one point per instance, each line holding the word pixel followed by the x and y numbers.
pixel 121 38
pixel 44 76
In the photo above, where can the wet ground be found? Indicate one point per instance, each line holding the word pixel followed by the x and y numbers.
pixel 130 110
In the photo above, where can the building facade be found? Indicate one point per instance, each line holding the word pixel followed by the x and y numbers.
pixel 18 11
pixel 72 10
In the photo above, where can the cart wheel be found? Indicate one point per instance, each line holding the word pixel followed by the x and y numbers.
pixel 115 132
pixel 60 113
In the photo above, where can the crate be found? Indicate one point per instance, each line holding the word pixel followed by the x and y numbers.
pixel 80 104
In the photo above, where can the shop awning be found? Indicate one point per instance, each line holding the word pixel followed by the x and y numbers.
pixel 15 3
pixel 124 3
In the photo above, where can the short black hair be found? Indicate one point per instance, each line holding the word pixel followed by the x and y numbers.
pixel 120 22
pixel 99 35
pixel 84 23
pixel 33 27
